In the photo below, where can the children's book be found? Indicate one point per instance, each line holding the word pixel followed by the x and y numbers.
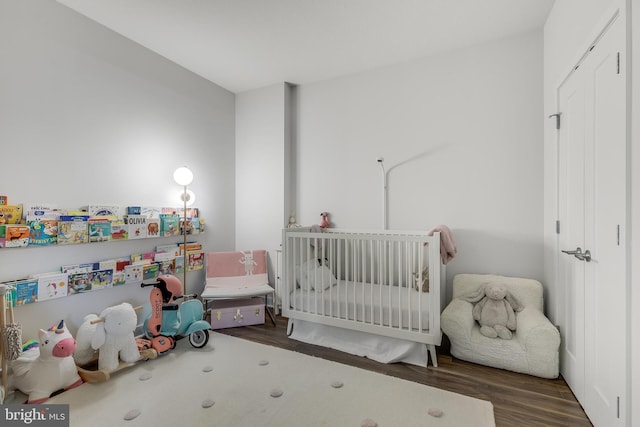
pixel 133 210
pixel 119 230
pixel 167 266
pixel 110 264
pixel 119 278
pixel 195 225
pixel 112 212
pixel 12 214
pixel 169 225
pixel 195 260
pixel 101 279
pixel 150 211
pixel 137 226
pixel 79 282
pixel 52 285
pixel 179 268
pixel 164 256
pixel 78 268
pixel 133 274
pixel 73 229
pixel 189 226
pixel 153 227
pixel 42 213
pixel 150 272
pixel 149 255
pixel 99 229
pixel 26 291
pixel 191 212
pixel 4 200
pixel 43 232
pixel 121 264
pixel 16 235
pixel 172 248
pixel 191 246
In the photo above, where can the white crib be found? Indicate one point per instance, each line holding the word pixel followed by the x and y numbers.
pixel 366 281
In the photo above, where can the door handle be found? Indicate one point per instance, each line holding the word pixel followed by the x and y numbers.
pixel 582 256
pixel 575 253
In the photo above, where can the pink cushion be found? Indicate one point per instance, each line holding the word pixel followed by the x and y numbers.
pixel 237 269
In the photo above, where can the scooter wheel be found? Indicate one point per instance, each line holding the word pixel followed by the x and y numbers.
pixel 199 339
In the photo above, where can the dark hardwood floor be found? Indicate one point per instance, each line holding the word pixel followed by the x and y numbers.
pixel 518 400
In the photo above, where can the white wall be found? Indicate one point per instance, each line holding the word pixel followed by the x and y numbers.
pixel 89 117
pixel 263 169
pixel 260 167
pixel 461 137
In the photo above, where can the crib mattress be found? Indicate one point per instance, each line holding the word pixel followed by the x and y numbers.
pixel 366 302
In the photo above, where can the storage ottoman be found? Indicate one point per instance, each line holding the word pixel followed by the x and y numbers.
pixel 237 312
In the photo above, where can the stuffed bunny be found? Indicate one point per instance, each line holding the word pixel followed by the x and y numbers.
pixel 494 309
pixel 114 336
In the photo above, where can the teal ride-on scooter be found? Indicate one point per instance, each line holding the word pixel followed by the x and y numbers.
pixel 170 320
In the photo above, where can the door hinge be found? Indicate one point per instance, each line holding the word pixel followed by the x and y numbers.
pixel 618 406
pixel 557 116
pixel 618 63
pixel 557 226
pixel 618 234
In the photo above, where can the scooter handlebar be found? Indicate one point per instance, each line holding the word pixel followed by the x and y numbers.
pixel 186 296
pixel 144 285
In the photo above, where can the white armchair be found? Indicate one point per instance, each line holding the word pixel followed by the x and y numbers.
pixel 534 348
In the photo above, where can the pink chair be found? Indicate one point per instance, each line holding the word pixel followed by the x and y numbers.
pixel 237 275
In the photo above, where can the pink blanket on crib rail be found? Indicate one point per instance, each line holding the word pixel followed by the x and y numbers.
pixel 448 248
pixel 237 269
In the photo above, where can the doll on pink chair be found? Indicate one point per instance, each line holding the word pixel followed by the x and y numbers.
pixel 49 367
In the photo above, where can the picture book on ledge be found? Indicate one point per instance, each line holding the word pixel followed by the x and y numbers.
pixel 73 229
pixel 52 285
pixel 25 291
pixel 14 235
pixel 43 232
pixel 99 229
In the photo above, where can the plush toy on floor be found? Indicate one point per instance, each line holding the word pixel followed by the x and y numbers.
pixel 114 336
pixel 48 367
pixel 494 310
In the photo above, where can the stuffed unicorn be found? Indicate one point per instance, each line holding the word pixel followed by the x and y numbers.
pixel 42 370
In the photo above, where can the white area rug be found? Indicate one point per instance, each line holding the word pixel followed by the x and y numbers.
pixel 239 378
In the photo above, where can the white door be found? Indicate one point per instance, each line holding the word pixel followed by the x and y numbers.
pixel 592 213
pixel 571 179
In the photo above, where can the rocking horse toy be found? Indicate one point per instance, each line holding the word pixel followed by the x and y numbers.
pixel 48 367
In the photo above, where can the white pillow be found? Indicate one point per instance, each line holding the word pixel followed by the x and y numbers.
pixel 311 276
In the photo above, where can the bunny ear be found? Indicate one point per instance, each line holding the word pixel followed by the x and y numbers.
pixel 474 296
pixel 513 301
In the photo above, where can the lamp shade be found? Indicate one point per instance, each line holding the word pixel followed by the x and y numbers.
pixel 183 176
pixel 190 197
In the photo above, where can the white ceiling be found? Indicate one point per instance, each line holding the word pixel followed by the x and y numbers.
pixel 248 44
